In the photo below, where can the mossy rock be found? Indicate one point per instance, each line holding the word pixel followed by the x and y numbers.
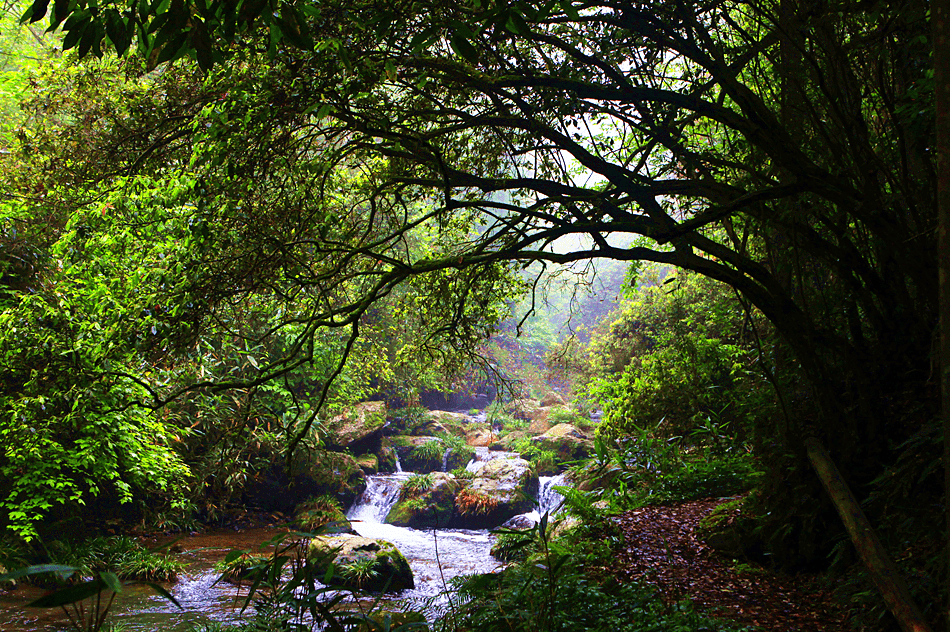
pixel 502 489
pixel 420 454
pixel 369 463
pixel 426 505
pixel 364 563
pixel 335 474
pixel 567 442
pixel 322 514
pixel 386 457
pixel 509 443
pixel 458 456
pixel 359 425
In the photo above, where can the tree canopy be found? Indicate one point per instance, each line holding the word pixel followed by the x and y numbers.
pixel 331 154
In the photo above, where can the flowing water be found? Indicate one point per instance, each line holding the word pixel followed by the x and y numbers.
pixel 435 557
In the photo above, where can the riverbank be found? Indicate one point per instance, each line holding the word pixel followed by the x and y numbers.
pixel 661 550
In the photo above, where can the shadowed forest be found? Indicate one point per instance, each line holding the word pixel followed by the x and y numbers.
pixel 483 315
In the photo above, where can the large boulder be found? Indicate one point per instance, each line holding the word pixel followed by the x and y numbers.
pixel 502 489
pixel 322 515
pixel 321 473
pixel 479 436
pixel 567 442
pixel 458 456
pixel 386 456
pixel 330 473
pixel 364 563
pixel 359 428
pixel 425 501
pixel 420 454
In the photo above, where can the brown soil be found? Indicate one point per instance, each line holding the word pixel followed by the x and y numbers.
pixel 661 550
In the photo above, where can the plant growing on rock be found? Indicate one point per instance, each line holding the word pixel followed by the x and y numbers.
pixel 468 502
pixel 417 484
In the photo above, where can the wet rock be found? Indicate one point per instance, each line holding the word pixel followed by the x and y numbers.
pixel 330 473
pixel 567 442
pixel 420 454
pixel 322 515
pixel 364 563
pixel 369 463
pixel 502 488
pixel 386 456
pixel 311 474
pixel 552 399
pixel 359 428
pixel 425 502
pixel 457 456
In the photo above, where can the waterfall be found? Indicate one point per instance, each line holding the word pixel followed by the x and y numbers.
pixel 381 493
pixel 445 459
pixel 549 500
pixel 398 464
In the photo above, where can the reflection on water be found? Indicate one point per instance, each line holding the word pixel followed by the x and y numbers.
pixel 434 556
pixel 138 608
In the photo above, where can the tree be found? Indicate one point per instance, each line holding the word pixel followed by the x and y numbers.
pixel 782 148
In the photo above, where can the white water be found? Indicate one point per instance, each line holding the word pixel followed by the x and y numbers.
pixel 434 556
pixel 549 499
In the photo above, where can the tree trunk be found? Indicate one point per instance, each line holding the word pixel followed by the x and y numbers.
pixel 884 573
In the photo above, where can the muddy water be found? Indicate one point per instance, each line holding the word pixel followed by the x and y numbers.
pixel 138 609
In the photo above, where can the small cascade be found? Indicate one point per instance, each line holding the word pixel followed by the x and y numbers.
pixel 398 464
pixel 445 459
pixel 549 500
pixel 381 493
pixel 483 455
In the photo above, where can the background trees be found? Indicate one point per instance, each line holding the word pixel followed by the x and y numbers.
pixel 784 149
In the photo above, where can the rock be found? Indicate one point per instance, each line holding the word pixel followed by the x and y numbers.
pixel 386 456
pixel 453 422
pixel 509 443
pixel 322 514
pixel 521 408
pixel 426 502
pixel 311 474
pixel 566 441
pixel 458 457
pixel 358 428
pixel 333 473
pixel 552 399
pixel 429 428
pixel 362 563
pixel 369 463
pixel 479 436
pixel 540 425
pixel 420 454
pixel 502 489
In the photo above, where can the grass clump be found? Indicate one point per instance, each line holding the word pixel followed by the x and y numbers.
pixel 122 555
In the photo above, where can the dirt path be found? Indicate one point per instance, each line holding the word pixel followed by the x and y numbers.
pixel 662 551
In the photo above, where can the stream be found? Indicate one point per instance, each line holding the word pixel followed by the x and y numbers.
pixel 435 557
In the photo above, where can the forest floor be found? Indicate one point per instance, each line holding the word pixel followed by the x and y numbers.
pixel 662 550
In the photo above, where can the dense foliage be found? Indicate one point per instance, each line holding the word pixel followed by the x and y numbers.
pixel 260 195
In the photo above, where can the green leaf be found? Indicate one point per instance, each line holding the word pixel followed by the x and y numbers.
pixel 36 12
pixel 164 593
pixel 464 48
pixel 70 594
pixel 37 569
pixel 516 23
pixel 568 7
